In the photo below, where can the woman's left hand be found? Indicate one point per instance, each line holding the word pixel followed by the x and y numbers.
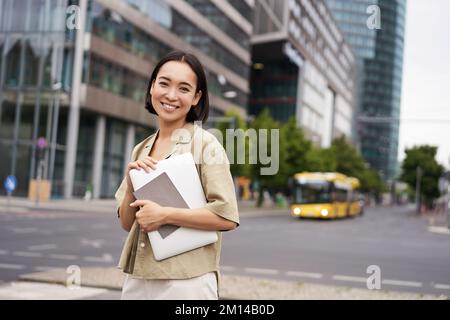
pixel 151 216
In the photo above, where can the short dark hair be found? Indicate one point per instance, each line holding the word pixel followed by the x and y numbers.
pixel 201 111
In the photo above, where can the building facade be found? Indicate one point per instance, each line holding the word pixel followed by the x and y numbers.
pixel 375 29
pixel 76 73
pixel 303 68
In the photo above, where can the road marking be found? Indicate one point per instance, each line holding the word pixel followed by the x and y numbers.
pixel 27 254
pixel 441 230
pixel 63 256
pixel 23 230
pixel 42 268
pixel 46 291
pixel 401 283
pixel 442 286
pixel 304 274
pixel 42 247
pixel 106 258
pixel 11 266
pixel 228 268
pixel 4 252
pixel 98 243
pixel 349 278
pixel 261 271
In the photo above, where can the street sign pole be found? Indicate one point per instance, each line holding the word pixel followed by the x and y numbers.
pixel 10 185
pixel 8 205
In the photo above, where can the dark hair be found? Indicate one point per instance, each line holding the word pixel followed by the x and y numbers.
pixel 200 112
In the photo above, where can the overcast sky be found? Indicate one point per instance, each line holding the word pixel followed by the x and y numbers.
pixel 426 77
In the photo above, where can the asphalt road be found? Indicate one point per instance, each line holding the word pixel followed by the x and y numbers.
pixel 339 252
pixel 409 257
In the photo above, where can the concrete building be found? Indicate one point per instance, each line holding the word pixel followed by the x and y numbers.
pixel 302 68
pixel 375 30
pixel 76 73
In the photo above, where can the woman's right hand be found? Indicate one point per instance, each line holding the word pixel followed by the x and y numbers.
pixel 148 163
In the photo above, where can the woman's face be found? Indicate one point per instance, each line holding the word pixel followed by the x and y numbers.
pixel 173 92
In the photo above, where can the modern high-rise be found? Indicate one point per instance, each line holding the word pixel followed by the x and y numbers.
pixel 375 30
pixel 302 68
pixel 75 72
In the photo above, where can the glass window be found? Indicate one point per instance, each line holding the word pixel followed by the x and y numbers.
pixel 26 122
pixel 31 66
pixel 200 40
pixel 312 193
pixel 22 172
pixel 216 16
pixel 13 65
pixel 7 118
pixel 243 8
pixel 114 152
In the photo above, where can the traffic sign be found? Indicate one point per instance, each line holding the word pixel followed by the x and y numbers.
pixel 41 143
pixel 10 184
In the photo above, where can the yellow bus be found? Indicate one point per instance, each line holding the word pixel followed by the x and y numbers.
pixel 325 195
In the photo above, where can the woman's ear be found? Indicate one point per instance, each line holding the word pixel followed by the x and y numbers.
pixel 197 98
pixel 151 87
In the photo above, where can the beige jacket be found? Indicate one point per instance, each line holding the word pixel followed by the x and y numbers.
pixel 213 168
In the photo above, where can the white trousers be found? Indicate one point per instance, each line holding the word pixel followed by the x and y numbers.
pixel 199 288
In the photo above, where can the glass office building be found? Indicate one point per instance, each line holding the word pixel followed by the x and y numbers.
pixel 380 63
pixel 82 86
pixel 303 68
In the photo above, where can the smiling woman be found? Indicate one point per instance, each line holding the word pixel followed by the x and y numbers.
pixel 177 93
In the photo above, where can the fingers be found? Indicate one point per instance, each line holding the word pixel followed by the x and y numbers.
pixel 148 163
pixel 139 203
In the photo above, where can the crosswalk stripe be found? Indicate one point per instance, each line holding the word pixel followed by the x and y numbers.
pixel 11 266
pixel 261 271
pixel 27 254
pixel 401 283
pixel 349 278
pixel 303 274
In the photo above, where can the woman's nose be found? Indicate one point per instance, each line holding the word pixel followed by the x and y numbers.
pixel 171 94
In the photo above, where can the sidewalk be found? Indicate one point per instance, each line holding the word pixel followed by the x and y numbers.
pixel 109 206
pixel 106 283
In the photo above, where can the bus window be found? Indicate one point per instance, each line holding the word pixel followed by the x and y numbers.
pixel 312 193
pixel 341 195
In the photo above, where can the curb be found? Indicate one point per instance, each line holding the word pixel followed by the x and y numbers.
pixel 239 287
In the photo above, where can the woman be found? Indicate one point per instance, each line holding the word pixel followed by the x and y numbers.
pixel 177 93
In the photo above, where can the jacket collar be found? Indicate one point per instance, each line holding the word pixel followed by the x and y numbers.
pixel 182 135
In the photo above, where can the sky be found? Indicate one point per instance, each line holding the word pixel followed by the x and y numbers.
pixel 426 78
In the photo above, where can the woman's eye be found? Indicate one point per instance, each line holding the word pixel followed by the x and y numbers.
pixel 163 84
pixel 184 89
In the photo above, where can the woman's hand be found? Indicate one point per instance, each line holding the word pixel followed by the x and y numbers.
pixel 151 216
pixel 148 163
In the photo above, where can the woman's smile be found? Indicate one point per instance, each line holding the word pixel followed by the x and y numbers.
pixel 169 107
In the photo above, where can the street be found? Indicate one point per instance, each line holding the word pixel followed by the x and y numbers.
pixel 336 252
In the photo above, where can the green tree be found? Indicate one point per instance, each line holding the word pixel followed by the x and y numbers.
pixel 296 148
pixel 371 182
pixel 424 157
pixel 236 122
pixel 349 161
pixel 321 160
pixel 265 121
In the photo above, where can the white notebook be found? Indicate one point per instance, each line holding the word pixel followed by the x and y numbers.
pixel 174 183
